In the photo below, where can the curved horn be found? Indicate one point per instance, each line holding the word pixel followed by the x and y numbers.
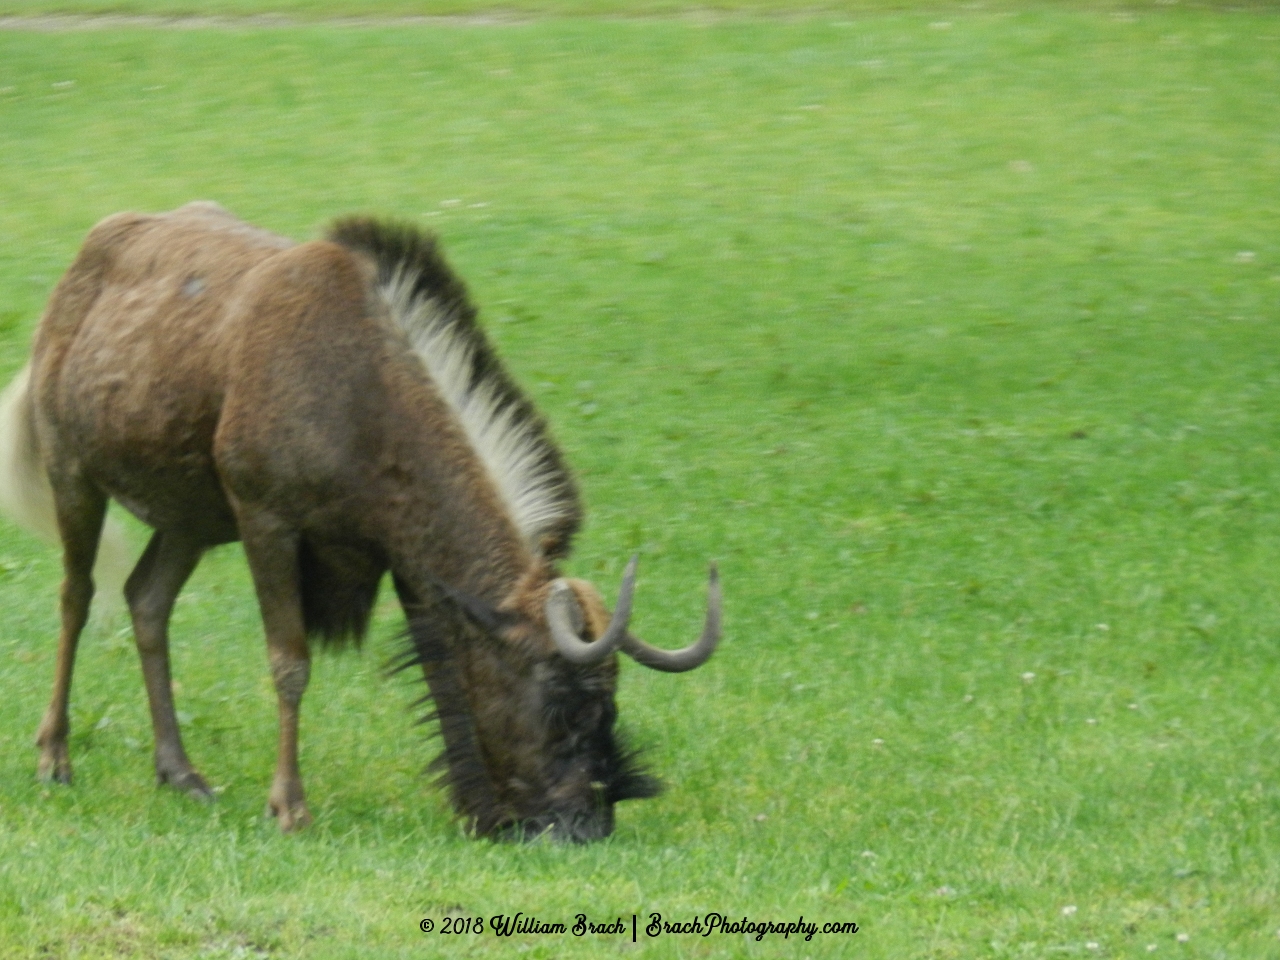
pixel 694 655
pixel 560 617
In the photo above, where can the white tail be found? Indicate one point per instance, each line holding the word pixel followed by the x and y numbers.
pixel 27 498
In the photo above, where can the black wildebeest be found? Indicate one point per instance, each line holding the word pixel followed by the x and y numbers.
pixel 334 406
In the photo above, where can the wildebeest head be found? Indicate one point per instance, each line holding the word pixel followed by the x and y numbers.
pixel 525 701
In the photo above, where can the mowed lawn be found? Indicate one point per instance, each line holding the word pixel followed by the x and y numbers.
pixel 951 334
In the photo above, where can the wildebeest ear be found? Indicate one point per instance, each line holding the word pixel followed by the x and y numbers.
pixel 487 617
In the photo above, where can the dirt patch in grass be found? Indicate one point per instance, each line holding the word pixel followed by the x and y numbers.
pixel 64 23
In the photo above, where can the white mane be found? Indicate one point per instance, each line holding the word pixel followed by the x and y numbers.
pixel 509 446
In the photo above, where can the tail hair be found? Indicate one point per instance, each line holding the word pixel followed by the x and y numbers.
pixel 27 498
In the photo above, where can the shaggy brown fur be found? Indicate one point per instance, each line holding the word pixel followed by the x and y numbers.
pixel 223 384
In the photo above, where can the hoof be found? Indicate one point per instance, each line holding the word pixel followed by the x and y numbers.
pixel 288 804
pixel 290 818
pixel 188 782
pixel 54 766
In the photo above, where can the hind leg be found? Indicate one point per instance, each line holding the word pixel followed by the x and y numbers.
pixel 81 509
pixel 151 591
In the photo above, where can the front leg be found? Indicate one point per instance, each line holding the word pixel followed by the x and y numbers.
pixel 272 551
pixel 286 802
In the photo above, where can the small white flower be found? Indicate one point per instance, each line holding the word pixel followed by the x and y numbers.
pixel 1133 706
pixel 877 742
pixel 1184 937
pixel 1151 948
pixel 1069 910
pixel 1104 627
pixel 1091 722
pixel 1028 677
pixel 868 854
pixel 1091 945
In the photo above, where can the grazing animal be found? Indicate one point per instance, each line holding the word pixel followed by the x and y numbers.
pixel 334 406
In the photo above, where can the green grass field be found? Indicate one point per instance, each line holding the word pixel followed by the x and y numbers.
pixel 516 10
pixel 953 337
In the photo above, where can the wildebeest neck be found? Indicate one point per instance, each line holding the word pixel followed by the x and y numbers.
pixel 503 430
